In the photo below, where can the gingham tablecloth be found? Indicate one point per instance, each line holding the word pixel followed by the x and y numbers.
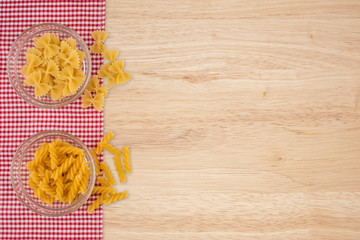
pixel 19 120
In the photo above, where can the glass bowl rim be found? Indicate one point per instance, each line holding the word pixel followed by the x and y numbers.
pixel 73 97
pixel 85 196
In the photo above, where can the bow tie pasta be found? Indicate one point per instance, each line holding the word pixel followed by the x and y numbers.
pixel 112 71
pixel 54 67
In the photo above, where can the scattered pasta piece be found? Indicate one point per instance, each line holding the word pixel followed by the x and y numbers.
pixel 103 182
pixel 104 190
pixel 107 172
pixel 116 197
pixel 112 149
pixel 110 54
pixel 94 86
pixel 58 172
pixel 119 169
pixel 97 165
pixel 104 71
pixel 117 66
pixel 97 48
pixel 96 203
pixel 99 36
pixel 126 159
pixel 106 139
pixel 112 71
pixel 97 101
pixel 58 67
pixel 108 193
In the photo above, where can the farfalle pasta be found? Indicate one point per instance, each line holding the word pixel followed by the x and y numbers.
pixel 59 172
pixel 53 67
pixel 97 101
pixel 93 85
pixel 98 47
pixel 112 71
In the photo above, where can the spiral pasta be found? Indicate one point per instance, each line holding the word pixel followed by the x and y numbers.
pixel 115 197
pixel 74 189
pixel 107 172
pixel 54 161
pixel 40 154
pixel 103 182
pixel 112 149
pixel 108 193
pixel 119 169
pixel 59 187
pixel 72 150
pixel 126 159
pixel 63 167
pixel 74 169
pixel 104 190
pixel 97 166
pixel 96 203
pixel 106 139
pixel 59 172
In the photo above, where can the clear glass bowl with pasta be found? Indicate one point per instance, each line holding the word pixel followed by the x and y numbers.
pixel 20 174
pixel 17 60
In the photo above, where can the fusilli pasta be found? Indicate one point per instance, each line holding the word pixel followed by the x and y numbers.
pixel 96 203
pixel 52 172
pixel 106 139
pixel 115 197
pixel 107 172
pixel 119 169
pixel 126 159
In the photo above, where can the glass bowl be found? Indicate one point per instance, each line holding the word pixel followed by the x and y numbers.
pixel 20 174
pixel 17 59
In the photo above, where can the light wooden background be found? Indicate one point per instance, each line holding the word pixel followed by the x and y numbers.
pixel 243 119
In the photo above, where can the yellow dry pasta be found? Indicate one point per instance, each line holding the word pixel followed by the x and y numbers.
pixel 97 101
pixel 108 193
pixel 112 149
pixel 96 204
pixel 99 36
pixel 97 165
pixel 39 81
pixel 74 189
pixel 103 182
pixel 53 67
pixel 54 160
pixel 106 139
pixel 74 169
pixel 104 71
pixel 126 159
pixel 97 48
pixel 116 197
pixel 104 190
pixel 94 86
pixel 119 169
pixel 107 172
pixel 50 169
pixel 110 54
pixel 112 71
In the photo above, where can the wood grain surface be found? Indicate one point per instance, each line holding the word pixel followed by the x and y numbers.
pixel 243 119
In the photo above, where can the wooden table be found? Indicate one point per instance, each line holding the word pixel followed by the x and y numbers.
pixel 243 119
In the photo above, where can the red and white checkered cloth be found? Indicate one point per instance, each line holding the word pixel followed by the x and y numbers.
pixel 19 120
